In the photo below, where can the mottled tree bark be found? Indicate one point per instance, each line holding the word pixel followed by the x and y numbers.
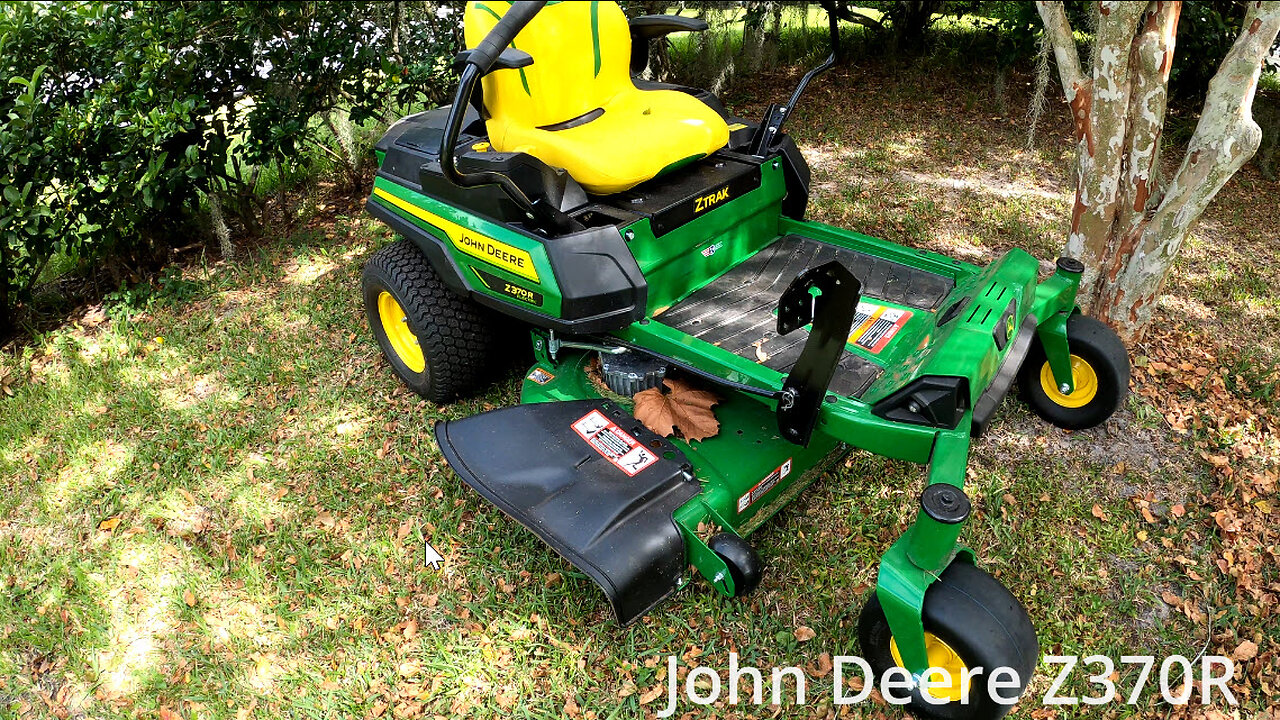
pixel 1124 226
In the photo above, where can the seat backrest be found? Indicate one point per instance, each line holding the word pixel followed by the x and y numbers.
pixel 581 58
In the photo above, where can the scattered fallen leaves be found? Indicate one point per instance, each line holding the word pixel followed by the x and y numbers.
pixel 678 408
pixel 804 633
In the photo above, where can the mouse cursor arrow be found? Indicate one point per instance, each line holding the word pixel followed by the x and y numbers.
pixel 432 558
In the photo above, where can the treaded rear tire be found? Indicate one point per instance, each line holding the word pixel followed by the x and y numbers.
pixel 460 340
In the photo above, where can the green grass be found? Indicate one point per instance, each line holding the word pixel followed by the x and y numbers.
pixel 215 493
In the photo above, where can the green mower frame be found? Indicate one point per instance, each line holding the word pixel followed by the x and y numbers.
pixel 907 356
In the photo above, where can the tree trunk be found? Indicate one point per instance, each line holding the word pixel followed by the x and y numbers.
pixel 219 223
pixel 1125 230
pixel 753 35
pixel 910 20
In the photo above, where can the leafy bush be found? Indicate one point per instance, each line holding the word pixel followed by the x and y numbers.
pixel 120 123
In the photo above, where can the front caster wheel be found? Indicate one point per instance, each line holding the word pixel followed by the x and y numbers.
pixel 1099 374
pixel 745 566
pixel 971 621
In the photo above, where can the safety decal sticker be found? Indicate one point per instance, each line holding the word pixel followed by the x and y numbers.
pixel 750 497
pixel 614 443
pixel 540 376
pixel 875 325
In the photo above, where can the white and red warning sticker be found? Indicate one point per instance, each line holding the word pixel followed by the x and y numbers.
pixel 875 325
pixel 615 444
pixel 759 490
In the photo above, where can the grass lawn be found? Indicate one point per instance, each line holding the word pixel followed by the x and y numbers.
pixel 214 504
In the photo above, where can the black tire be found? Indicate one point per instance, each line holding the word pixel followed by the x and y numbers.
pixel 1097 345
pixel 745 566
pixel 460 340
pixel 981 621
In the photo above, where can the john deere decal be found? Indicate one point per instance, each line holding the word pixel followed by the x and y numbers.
pixel 495 252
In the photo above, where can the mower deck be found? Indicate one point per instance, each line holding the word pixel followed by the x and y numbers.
pixel 589 480
pixel 737 311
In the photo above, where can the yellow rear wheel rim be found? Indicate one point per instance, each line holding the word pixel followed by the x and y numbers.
pixel 944 658
pixel 396 326
pixel 1083 378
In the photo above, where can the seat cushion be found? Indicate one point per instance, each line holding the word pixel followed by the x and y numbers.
pixel 640 135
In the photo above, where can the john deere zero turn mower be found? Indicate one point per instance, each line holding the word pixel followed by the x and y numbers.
pixel 640 232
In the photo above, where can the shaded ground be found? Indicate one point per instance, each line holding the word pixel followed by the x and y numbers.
pixel 215 507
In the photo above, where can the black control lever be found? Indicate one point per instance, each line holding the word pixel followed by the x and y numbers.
pixel 476 62
pixel 830 310
pixel 776 115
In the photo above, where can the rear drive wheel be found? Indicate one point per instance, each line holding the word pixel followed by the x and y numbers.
pixel 441 345
pixel 971 621
pixel 1099 374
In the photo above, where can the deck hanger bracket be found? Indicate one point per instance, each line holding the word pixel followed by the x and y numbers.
pixel 825 297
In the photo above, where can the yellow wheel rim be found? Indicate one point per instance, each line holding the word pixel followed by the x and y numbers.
pixel 1083 378
pixel 396 325
pixel 942 657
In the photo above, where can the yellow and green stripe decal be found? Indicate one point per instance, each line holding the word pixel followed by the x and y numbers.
pixel 595 34
pixel 524 81
pixel 482 247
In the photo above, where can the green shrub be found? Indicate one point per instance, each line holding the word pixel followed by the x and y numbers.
pixel 120 121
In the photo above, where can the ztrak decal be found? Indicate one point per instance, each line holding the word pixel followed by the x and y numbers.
pixel 706 202
pixel 761 488
pixel 875 325
pixel 515 290
pixel 614 443
pixel 495 252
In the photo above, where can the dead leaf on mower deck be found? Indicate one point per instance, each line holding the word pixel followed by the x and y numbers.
pixel 681 409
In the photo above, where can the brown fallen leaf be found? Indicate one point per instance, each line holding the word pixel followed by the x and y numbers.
pixel 804 633
pixel 109 524
pixel 651 694
pixel 678 409
pixel 1099 513
pixel 189 597
pixel 1245 651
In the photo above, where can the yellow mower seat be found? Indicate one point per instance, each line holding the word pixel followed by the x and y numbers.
pixel 576 108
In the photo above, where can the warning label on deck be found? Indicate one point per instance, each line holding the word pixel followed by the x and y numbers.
pixel 540 376
pixel 875 325
pixel 761 488
pixel 615 444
